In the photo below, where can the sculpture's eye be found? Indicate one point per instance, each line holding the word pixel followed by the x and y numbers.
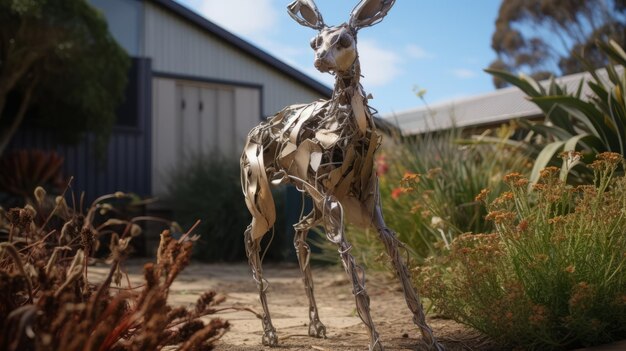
pixel 345 40
pixel 316 42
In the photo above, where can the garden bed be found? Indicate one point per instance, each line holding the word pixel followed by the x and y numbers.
pixel 288 307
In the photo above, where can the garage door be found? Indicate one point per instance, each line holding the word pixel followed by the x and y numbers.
pixel 191 118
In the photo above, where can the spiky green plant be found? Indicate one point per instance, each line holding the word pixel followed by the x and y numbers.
pixel 590 124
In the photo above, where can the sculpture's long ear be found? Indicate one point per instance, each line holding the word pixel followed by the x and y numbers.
pixel 306 13
pixel 369 12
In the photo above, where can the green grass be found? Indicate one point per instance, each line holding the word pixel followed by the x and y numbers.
pixel 428 186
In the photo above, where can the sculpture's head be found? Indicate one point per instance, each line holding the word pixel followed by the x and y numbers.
pixel 335 47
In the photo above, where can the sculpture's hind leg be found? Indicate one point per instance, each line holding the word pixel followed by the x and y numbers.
pixel 411 296
pixel 316 328
pixel 333 213
pixel 253 248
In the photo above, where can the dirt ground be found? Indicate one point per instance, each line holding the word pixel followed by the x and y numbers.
pixel 289 309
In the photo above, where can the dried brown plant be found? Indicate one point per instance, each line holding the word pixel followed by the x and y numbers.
pixel 48 303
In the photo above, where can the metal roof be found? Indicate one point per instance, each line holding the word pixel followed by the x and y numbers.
pixel 242 45
pixel 494 107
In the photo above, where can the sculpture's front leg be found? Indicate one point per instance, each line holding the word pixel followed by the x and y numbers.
pixel 252 250
pixel 333 214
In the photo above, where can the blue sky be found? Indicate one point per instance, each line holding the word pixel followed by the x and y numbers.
pixel 438 45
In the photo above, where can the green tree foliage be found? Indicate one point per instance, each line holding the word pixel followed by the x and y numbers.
pixel 59 66
pixel 543 38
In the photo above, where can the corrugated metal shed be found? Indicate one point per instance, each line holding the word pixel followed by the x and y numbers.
pixel 243 46
pixel 488 109
pixel 195 49
pixel 137 24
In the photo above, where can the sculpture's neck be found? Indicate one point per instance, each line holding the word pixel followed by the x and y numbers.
pixel 346 83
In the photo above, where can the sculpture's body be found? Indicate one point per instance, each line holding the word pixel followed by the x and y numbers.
pixel 326 149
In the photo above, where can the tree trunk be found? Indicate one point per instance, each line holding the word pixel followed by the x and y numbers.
pixel 3 99
pixel 6 135
pixel 10 75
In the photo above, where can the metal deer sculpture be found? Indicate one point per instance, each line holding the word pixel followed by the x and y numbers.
pixel 326 149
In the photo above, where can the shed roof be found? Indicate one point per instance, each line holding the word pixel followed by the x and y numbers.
pixel 494 107
pixel 242 45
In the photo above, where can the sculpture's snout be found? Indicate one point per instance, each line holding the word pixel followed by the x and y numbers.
pixel 322 63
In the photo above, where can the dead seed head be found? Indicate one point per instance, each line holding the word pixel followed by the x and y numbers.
pixel 40 194
pixel 45 292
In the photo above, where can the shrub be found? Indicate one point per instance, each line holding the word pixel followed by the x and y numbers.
pixel 428 184
pixel 207 187
pixel 48 303
pixel 553 275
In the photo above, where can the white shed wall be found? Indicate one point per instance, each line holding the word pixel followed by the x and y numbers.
pixel 164 135
pixel 178 47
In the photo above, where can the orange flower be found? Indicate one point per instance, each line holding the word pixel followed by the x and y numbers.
pixel 515 179
pixel 482 197
pixel 381 166
pixel 410 176
pixel 522 226
pixel 512 177
pixel 395 193
pixel 611 157
pixel 548 172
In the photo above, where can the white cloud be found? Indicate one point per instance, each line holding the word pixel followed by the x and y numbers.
pixel 417 52
pixel 287 53
pixel 463 73
pixel 243 17
pixel 379 66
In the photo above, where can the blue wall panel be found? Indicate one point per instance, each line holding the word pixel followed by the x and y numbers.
pixel 126 165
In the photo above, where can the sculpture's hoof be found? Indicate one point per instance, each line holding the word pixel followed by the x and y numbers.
pixel 317 329
pixel 437 346
pixel 270 339
pixel 377 346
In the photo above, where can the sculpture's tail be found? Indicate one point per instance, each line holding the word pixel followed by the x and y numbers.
pixel 256 189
